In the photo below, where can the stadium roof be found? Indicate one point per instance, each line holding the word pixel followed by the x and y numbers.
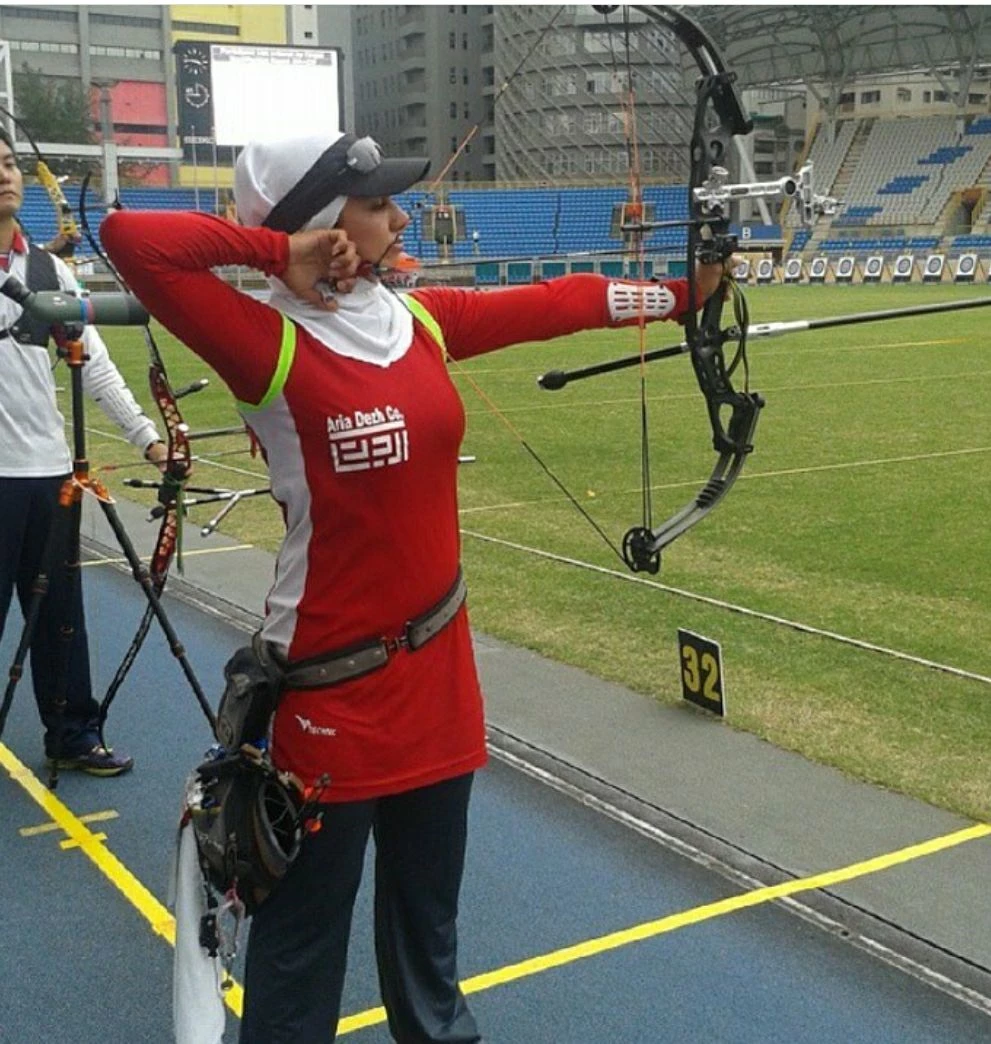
pixel 834 44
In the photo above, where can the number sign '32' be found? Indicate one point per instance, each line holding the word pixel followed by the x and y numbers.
pixel 701 662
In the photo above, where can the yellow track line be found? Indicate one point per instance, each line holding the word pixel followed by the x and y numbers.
pixel 163 924
pixel 161 921
pixel 650 929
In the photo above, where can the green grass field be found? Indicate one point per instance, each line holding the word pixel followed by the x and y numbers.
pixel 863 511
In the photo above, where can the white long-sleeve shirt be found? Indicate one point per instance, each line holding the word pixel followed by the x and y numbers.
pixel 32 427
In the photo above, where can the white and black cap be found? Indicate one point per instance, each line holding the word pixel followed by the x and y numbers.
pixel 305 182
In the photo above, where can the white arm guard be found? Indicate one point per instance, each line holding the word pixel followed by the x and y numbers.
pixel 633 300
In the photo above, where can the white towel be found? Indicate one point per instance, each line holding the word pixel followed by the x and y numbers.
pixel 198 1014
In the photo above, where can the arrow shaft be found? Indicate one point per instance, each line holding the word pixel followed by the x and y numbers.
pixel 559 378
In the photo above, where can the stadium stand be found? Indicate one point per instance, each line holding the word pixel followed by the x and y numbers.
pixel 38 216
pixel 827 154
pixel 544 221
pixel 895 176
pixel 910 167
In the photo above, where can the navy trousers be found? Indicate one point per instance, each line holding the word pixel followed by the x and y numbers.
pixel 297 947
pixel 27 512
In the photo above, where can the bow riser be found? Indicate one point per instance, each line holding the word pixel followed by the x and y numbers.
pixel 67 226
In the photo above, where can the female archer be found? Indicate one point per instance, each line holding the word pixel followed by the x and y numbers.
pixel 360 423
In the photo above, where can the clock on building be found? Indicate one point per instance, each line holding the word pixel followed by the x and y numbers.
pixel 194 91
pixel 196 95
pixel 195 60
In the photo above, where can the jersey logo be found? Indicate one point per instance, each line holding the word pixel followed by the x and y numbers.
pixel 365 440
pixel 314 730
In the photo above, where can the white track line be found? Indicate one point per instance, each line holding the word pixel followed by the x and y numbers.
pixel 198 458
pixel 968 375
pixel 746 476
pixel 794 625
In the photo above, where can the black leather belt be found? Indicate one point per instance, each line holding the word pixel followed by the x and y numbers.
pixel 345 664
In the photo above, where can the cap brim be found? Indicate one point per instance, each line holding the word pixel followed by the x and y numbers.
pixel 389 178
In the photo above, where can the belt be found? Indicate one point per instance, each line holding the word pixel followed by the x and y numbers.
pixel 345 664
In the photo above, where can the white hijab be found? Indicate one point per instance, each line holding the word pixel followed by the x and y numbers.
pixel 370 323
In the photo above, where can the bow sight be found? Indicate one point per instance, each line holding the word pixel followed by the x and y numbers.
pixel 716 193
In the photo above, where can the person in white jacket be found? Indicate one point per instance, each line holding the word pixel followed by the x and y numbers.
pixel 34 461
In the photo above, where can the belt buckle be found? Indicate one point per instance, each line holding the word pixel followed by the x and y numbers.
pixel 401 641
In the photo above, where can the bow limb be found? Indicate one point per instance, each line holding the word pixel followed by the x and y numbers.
pixel 178 466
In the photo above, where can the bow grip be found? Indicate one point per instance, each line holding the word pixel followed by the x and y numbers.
pixel 716 247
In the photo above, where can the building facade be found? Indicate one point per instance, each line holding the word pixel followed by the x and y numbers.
pixel 422 81
pixel 126 56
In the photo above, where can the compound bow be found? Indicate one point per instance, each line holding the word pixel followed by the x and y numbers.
pixel 733 413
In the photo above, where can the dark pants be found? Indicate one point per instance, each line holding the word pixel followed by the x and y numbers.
pixel 27 511
pixel 297 948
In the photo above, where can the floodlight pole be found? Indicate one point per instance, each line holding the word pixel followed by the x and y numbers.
pixel 111 183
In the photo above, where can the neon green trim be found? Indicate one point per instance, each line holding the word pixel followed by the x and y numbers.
pixel 421 313
pixel 287 352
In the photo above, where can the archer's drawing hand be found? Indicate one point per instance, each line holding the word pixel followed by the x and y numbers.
pixel 322 263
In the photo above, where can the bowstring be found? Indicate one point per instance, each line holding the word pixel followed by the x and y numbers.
pixel 632 143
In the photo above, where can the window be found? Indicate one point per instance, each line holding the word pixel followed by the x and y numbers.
pixel 927 97
pixel 190 27
pixel 124 52
pixel 464 41
pixel 145 23
pixel 454 110
pixel 562 83
pixel 50 48
pixel 941 96
pixel 870 97
pixel 903 95
pixel 604 81
pixel 452 76
pixel 464 77
pixel 599 43
pixel 557 44
pixel 452 40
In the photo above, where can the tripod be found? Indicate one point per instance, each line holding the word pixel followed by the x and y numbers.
pixel 61 551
